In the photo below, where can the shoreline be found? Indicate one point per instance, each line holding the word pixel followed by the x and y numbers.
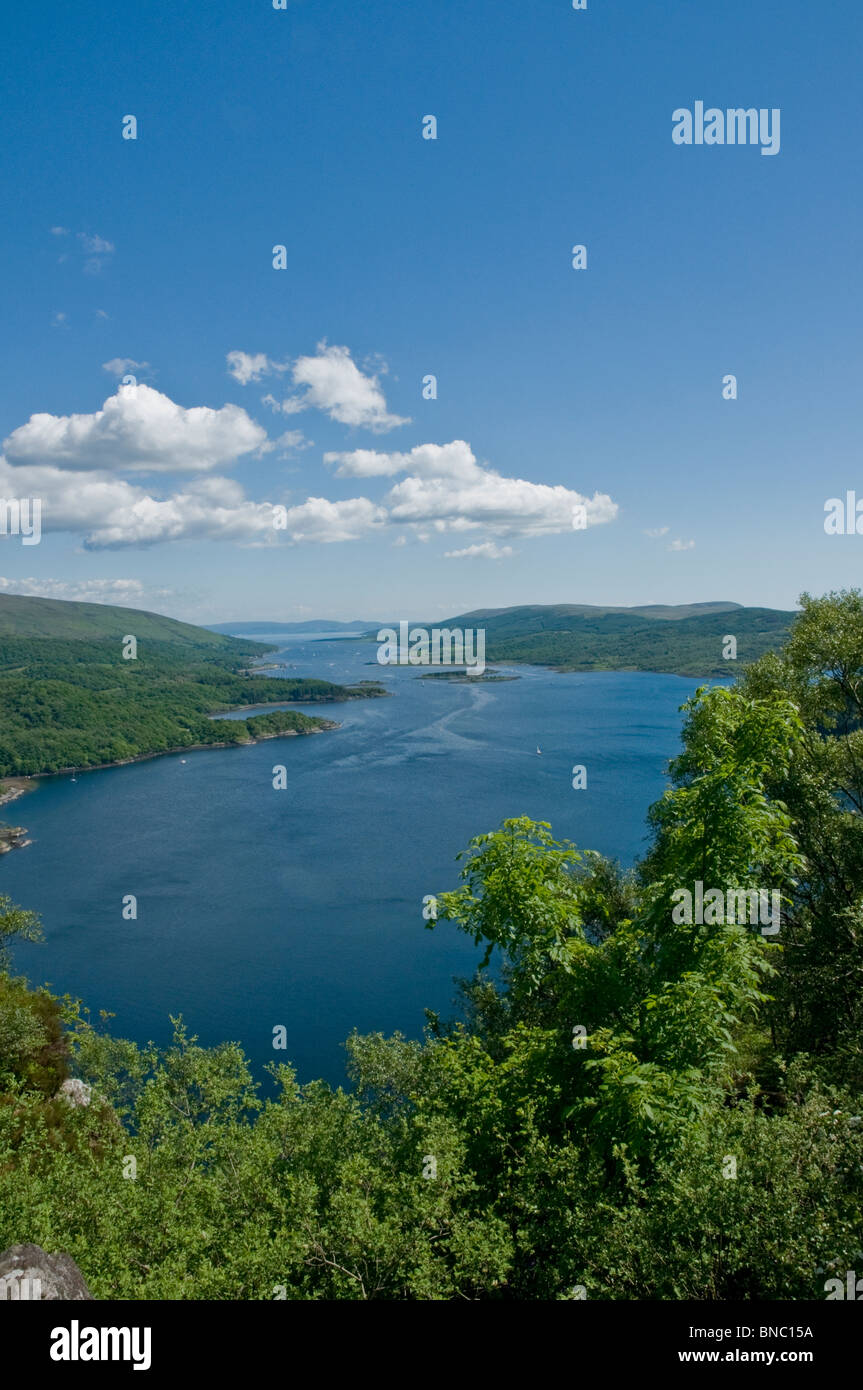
pixel 12 787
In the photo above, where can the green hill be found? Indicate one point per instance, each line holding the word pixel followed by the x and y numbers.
pixel 685 640
pixel 22 616
pixel 69 699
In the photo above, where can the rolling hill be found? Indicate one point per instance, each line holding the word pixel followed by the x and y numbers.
pixel 70 700
pixel 685 640
pixel 23 616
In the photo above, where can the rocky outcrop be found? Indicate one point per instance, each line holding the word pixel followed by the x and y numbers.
pixel 27 1272
pixel 75 1092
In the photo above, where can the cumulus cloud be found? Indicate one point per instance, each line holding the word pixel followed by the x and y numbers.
pixel 75 466
pixel 318 519
pixel 137 430
pixel 335 384
pixel 251 366
pixel 657 531
pixel 681 545
pixel 488 550
pixel 113 513
pixel 447 487
pixel 329 381
pixel 83 469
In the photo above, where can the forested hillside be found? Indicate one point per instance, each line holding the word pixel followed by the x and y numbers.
pixel 76 701
pixel 629 1106
pixel 685 640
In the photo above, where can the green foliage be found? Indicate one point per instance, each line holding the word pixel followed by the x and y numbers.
pixel 15 922
pixel 645 1107
pixel 684 640
pixel 79 704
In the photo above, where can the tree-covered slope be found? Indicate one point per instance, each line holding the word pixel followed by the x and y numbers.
pixel 630 1106
pixel 687 640
pixel 75 701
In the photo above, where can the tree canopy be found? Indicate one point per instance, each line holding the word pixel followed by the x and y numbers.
pixel 625 1104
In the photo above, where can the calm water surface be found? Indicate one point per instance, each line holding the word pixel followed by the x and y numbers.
pixel 304 907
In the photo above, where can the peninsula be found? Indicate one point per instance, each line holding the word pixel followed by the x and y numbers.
pixel 73 696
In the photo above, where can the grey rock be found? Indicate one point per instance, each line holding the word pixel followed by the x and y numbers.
pixel 75 1092
pixel 27 1272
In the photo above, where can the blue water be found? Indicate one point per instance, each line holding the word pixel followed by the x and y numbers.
pixel 303 907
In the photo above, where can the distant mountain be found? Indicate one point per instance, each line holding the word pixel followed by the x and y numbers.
pixel 525 617
pixel 322 625
pixel 23 616
pixel 685 639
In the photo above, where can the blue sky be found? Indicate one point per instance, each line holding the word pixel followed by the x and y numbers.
pixel 405 256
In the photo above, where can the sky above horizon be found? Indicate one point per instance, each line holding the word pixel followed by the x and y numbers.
pixel 278 457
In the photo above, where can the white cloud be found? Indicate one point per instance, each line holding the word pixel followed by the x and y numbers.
pixel 335 384
pixel 59 231
pixel 78 466
pixel 119 366
pixel 251 366
pixel 59 320
pixel 137 430
pixel 128 593
pixel 681 545
pixel 455 460
pixel 488 550
pixel 447 487
pixel 317 519
pixel 112 513
pixel 657 531
pixel 292 441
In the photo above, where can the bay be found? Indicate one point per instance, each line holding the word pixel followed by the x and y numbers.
pixel 303 907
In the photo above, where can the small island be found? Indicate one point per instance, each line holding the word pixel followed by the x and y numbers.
pixel 12 837
pixel 465 677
